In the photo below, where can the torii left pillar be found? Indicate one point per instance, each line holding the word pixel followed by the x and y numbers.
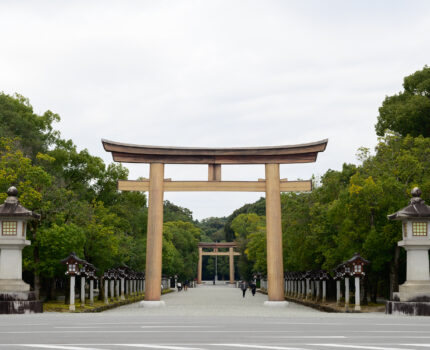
pixel 275 273
pixel 154 243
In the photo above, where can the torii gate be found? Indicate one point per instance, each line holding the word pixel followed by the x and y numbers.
pixel 215 246
pixel 272 157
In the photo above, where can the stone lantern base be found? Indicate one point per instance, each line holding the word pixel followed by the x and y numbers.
pixel 408 308
pixel 414 291
pixel 413 299
pixel 19 303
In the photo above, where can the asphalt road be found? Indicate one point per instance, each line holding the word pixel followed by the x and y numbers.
pixel 206 324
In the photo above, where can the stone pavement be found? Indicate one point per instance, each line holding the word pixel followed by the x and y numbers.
pixel 218 300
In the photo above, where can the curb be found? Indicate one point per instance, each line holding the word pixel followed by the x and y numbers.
pixel 120 303
pixel 315 306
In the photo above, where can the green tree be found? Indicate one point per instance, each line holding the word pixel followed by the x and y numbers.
pixel 408 112
pixel 17 120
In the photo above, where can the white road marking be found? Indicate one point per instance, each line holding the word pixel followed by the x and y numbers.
pixel 357 346
pixel 175 326
pixel 403 324
pixel 153 346
pixel 61 347
pixel 421 345
pixel 311 337
pixel 251 346
pixel 143 331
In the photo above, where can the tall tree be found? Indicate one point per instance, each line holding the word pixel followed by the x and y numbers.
pixel 408 112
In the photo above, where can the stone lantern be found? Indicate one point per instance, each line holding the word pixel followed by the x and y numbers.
pixel 91 275
pixel 346 274
pixel 324 277
pixel 15 295
pixel 72 262
pixel 337 276
pixel 415 232
pixel 106 278
pixel 356 264
pixel 122 275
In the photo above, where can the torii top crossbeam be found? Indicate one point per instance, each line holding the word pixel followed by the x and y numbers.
pixel 129 153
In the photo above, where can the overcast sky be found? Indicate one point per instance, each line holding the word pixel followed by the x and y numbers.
pixel 214 73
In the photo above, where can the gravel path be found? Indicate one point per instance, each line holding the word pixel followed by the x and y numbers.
pixel 219 300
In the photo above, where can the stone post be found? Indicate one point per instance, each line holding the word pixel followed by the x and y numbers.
pixel 112 293
pixel 324 291
pixel 318 294
pixel 303 290
pixel 72 293
pixel 91 292
pixel 82 290
pixel 346 293
pixel 106 291
pixel 338 292
pixel 357 294
pixel 312 289
pixel 122 288
pixel 308 290
pixel 117 288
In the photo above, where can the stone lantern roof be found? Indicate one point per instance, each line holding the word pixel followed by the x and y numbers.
pixel 357 258
pixel 416 208
pixel 73 259
pixel 12 208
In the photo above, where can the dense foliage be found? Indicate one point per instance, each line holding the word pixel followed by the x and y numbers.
pixel 408 112
pixel 81 209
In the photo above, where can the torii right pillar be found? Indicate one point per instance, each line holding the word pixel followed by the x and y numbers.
pixel 275 268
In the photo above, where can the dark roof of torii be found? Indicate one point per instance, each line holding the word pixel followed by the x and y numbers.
pixel 130 153
pixel 416 208
pixel 217 245
pixel 12 208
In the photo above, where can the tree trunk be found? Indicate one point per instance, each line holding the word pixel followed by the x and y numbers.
pixel 101 289
pixel 394 276
pixel 364 301
pixel 52 288
pixel 36 262
pixel 36 280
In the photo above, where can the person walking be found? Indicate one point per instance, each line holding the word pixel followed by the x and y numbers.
pixel 253 288
pixel 244 287
pixel 186 285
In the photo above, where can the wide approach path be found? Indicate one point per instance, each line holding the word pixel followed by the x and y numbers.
pixel 213 318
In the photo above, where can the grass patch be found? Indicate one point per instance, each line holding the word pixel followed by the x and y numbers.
pixel 99 305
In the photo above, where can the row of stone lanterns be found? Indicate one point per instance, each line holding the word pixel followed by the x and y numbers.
pixel 118 283
pixel 312 285
pixel 309 285
pixel 123 282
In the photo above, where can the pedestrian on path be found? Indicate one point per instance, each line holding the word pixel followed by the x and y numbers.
pixel 253 288
pixel 244 287
pixel 186 285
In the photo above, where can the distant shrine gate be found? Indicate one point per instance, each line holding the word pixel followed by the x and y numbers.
pixel 271 157
pixel 215 246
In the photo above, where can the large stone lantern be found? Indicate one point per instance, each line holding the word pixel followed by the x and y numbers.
pixel 415 228
pixel 15 295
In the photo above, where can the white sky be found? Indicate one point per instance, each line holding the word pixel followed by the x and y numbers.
pixel 214 73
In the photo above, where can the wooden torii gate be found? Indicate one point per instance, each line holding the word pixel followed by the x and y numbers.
pixel 215 246
pixel 271 157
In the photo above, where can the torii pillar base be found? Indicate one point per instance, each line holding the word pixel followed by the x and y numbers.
pixel 152 304
pixel 276 304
